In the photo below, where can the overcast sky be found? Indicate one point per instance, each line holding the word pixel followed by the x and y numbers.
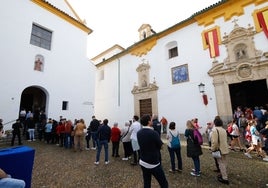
pixel 117 21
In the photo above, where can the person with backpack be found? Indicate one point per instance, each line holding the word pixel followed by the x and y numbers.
pixel 193 147
pixel 174 147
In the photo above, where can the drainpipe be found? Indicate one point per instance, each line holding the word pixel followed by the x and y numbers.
pixel 118 66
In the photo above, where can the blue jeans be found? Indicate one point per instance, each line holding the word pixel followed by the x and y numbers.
pixel 67 140
pixel 158 173
pixel 94 136
pixel 103 143
pixel 196 164
pixel 31 134
pixel 12 182
pixel 172 153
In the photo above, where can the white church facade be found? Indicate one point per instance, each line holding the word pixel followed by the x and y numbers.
pixel 223 48
pixel 44 66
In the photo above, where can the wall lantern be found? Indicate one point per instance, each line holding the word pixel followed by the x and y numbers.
pixel 201 88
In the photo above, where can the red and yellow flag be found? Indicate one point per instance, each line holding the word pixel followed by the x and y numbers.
pixel 213 43
pixel 263 21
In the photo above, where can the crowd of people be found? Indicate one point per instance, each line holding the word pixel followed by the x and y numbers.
pixel 142 143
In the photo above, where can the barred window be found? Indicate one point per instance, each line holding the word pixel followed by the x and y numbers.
pixel 173 52
pixel 41 37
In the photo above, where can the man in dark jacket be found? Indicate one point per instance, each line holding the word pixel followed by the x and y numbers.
pixel 16 132
pixel 94 126
pixel 104 135
pixel 150 145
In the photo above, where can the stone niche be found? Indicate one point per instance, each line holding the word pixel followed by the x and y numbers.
pixel 145 89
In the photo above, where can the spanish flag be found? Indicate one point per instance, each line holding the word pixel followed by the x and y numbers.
pixel 213 43
pixel 263 21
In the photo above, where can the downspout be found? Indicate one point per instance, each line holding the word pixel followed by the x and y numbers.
pixel 118 66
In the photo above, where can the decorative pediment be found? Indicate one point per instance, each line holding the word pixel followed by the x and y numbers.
pixel 240 45
pixel 144 84
pixel 242 54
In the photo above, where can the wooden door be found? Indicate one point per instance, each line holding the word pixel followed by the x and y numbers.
pixel 145 107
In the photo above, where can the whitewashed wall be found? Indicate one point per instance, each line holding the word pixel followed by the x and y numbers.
pixel 178 102
pixel 68 74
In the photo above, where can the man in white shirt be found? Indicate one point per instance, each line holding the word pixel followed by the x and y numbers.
pixel 135 127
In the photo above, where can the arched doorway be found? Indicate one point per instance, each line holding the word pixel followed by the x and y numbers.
pixel 33 99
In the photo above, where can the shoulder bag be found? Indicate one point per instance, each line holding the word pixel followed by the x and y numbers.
pixel 217 154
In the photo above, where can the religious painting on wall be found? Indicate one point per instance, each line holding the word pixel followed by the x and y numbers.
pixel 39 63
pixel 180 74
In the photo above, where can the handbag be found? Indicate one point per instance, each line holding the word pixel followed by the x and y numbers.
pixel 217 154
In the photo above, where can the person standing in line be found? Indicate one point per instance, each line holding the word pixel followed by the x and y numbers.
pixel 94 126
pixel 79 135
pixel 156 124
pixel 104 136
pixel 88 137
pixel 67 137
pixel 172 151
pixel 164 123
pixel 150 146
pixel 1 128
pixel 125 137
pixel 219 141
pixel 135 127
pixel 16 132
pixel 194 150
pixel 115 138
pixel 31 128
pixel 48 128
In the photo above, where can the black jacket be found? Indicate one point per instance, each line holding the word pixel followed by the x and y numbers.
pixel 150 145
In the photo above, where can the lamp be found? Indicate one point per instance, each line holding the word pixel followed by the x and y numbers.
pixel 201 88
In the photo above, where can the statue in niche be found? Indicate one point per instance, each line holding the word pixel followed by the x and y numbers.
pixel 240 54
pixel 144 82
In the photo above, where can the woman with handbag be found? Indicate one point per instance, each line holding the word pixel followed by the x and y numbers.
pixel 219 143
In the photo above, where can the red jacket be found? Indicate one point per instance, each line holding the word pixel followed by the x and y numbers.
pixel 115 134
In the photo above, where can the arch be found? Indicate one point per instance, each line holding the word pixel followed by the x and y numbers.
pixel 34 98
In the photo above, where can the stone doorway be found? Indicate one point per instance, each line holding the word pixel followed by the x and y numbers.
pixel 241 72
pixel 249 94
pixel 33 99
pixel 145 92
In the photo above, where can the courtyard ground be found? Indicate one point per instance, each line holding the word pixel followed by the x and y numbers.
pixel 56 167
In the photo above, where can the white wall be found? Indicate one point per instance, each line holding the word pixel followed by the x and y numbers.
pixel 177 102
pixel 68 74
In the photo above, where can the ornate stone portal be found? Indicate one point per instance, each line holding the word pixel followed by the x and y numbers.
pixel 243 63
pixel 145 90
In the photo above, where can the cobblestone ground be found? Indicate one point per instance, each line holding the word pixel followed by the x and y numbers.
pixel 56 167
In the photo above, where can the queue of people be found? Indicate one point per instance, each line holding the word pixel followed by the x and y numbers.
pixel 142 142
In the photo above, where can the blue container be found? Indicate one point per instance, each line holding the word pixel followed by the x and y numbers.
pixel 18 162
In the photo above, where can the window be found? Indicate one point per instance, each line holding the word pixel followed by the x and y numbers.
pixel 173 52
pixel 171 49
pixel 41 37
pixel 64 105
